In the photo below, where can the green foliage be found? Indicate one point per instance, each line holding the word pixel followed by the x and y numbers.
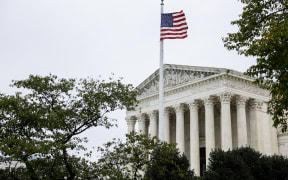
pixel 83 170
pixel 123 160
pixel 263 33
pixel 140 154
pixel 40 127
pixel 245 163
pixel 168 163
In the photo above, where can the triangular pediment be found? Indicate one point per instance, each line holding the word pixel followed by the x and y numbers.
pixel 176 75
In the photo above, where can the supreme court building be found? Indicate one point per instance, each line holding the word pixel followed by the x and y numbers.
pixel 207 108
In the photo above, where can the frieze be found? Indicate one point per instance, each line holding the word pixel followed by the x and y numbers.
pixel 206 87
pixel 246 86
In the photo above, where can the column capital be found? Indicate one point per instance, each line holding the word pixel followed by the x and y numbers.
pixel 131 122
pixel 179 108
pixel 128 118
pixel 167 110
pixel 241 100
pixel 225 97
pixel 153 114
pixel 193 105
pixel 208 102
pixel 255 104
pixel 142 118
pixel 131 118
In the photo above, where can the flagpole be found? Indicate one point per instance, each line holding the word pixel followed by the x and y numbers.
pixel 161 87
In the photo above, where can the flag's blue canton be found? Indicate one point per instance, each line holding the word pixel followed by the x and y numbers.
pixel 167 20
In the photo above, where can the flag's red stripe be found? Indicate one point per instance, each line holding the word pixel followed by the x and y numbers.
pixel 184 19
pixel 179 25
pixel 167 34
pixel 178 12
pixel 181 15
pixel 162 30
pixel 173 38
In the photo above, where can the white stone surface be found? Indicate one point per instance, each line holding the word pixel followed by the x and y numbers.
pixel 283 144
pixel 153 123
pixel 167 128
pixel 241 122
pixel 226 127
pixel 209 127
pixel 194 137
pixel 180 140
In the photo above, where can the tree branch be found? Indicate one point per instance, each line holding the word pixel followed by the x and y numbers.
pixel 68 165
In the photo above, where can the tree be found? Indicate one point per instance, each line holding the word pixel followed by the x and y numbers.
pixel 263 33
pixel 84 169
pixel 41 126
pixel 139 155
pixel 245 163
pixel 168 163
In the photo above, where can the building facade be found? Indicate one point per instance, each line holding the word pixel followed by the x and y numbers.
pixel 207 108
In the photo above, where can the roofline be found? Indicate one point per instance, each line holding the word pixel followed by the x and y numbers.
pixel 196 68
pixel 197 81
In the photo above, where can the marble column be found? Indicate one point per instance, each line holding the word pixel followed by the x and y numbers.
pixel 131 124
pixel 153 123
pixel 142 124
pixel 194 137
pixel 167 123
pixel 274 137
pixel 241 121
pixel 267 131
pixel 256 127
pixel 209 127
pixel 180 140
pixel 226 129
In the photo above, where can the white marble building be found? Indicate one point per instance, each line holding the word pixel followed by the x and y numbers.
pixel 207 108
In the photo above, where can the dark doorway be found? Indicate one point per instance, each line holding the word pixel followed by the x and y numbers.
pixel 202 160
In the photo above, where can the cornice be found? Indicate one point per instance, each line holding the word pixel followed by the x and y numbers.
pixel 224 76
pixel 213 70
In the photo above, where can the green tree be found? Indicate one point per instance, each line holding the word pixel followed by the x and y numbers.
pixel 140 154
pixel 41 126
pixel 245 163
pixel 263 33
pixel 84 169
pixel 168 163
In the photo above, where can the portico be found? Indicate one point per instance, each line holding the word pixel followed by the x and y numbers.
pixel 205 108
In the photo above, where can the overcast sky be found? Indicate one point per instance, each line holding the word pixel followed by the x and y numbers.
pixel 80 38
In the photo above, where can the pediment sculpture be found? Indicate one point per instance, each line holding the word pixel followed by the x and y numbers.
pixel 172 78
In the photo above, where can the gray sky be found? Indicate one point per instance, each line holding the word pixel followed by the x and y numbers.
pixel 80 38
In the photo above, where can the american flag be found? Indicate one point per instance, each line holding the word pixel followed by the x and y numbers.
pixel 173 26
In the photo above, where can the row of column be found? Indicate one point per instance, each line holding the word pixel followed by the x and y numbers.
pixel 225 123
